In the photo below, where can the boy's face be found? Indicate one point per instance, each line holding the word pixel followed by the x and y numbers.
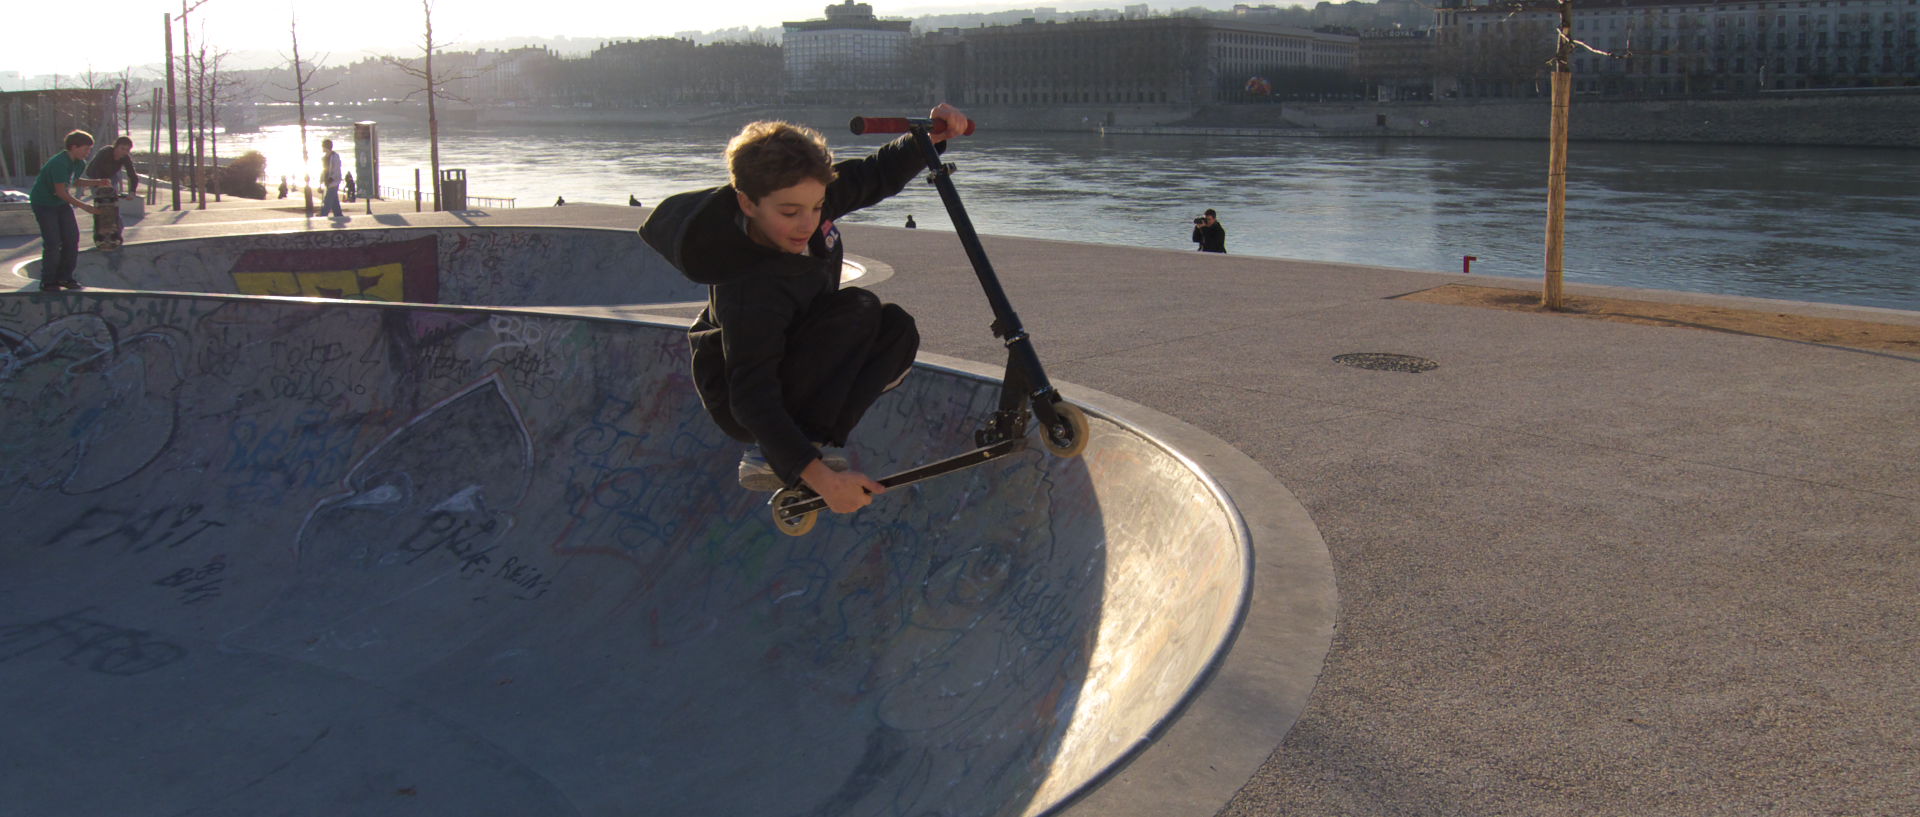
pixel 78 152
pixel 785 219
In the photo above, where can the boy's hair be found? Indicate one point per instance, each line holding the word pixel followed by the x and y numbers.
pixel 123 142
pixel 76 138
pixel 769 156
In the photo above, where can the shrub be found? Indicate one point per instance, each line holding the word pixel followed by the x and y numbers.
pixel 242 176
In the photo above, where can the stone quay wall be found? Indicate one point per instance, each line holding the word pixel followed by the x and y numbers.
pixel 1889 118
pixel 1881 119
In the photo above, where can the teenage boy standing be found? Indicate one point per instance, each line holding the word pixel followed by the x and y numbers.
pixel 106 165
pixel 53 201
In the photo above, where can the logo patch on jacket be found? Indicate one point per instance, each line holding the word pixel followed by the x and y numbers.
pixel 829 233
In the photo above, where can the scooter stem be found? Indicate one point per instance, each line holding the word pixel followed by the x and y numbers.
pixel 1006 323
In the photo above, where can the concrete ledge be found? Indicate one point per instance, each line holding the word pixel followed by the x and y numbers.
pixel 16 218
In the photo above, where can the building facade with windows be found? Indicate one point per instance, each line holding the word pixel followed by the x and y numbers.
pixel 1167 60
pixel 1665 48
pixel 850 54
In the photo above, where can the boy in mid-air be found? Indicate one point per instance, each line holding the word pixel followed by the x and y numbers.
pixel 784 357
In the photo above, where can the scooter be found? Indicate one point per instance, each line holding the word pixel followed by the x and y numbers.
pixel 1025 392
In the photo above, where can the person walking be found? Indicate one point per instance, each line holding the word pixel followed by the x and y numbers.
pixel 1209 233
pixel 330 179
pixel 52 200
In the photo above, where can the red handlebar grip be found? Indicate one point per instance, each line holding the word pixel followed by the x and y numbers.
pixel 897 124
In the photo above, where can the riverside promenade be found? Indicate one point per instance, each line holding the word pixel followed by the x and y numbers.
pixel 1583 567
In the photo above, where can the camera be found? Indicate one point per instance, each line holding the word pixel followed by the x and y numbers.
pixel 1200 220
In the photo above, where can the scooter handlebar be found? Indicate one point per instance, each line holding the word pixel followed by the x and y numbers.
pixel 901 124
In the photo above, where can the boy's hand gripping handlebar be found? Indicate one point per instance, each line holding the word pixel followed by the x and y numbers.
pixel 902 124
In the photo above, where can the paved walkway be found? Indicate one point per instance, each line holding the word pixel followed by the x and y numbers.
pixel 1585 568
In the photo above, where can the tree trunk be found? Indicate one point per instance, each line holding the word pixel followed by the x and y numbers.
pixel 300 94
pixel 173 126
pixel 433 119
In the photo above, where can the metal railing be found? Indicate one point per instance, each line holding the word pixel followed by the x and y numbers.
pixel 403 193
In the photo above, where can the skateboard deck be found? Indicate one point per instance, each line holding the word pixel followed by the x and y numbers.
pixel 108 232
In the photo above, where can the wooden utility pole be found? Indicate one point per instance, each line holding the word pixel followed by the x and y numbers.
pixel 194 142
pixel 186 88
pixel 1551 296
pixel 173 123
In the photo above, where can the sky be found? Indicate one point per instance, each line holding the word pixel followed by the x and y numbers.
pixel 112 34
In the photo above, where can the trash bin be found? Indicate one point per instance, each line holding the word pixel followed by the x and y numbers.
pixel 453 189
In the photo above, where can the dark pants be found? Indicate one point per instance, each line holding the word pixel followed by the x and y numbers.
pixel 840 357
pixel 59 243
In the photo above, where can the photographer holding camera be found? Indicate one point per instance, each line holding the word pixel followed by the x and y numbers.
pixel 1208 233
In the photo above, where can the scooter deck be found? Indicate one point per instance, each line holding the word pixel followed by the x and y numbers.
pixel 809 502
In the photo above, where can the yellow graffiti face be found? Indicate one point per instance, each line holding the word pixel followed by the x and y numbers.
pixel 382 282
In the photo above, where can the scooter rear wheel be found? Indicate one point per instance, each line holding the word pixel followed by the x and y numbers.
pixel 1068 437
pixel 798 524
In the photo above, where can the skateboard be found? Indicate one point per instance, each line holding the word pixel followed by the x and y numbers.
pixel 108 232
pixel 1025 393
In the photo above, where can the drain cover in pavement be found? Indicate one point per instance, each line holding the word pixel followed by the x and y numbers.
pixel 1383 362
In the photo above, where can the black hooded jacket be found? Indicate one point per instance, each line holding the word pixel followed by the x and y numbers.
pixel 757 295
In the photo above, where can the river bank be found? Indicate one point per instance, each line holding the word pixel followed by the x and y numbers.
pixel 1867 118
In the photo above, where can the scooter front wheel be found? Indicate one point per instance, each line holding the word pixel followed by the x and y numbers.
pixel 1066 437
pixel 799 524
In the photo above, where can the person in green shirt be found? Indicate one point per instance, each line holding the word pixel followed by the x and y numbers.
pixel 53 201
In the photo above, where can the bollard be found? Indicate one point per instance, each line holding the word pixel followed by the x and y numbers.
pixel 1466 264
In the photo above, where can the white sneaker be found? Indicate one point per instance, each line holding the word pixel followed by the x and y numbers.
pixel 756 474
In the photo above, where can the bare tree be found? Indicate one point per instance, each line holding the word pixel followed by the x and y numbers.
pixel 435 87
pixel 1560 67
pixel 173 126
pixel 302 80
pixel 198 105
pixel 222 87
pixel 126 100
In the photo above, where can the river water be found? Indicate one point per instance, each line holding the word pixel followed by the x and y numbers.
pixel 1838 225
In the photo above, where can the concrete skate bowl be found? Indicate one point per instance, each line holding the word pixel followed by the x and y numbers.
pixel 269 556
pixel 476 266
